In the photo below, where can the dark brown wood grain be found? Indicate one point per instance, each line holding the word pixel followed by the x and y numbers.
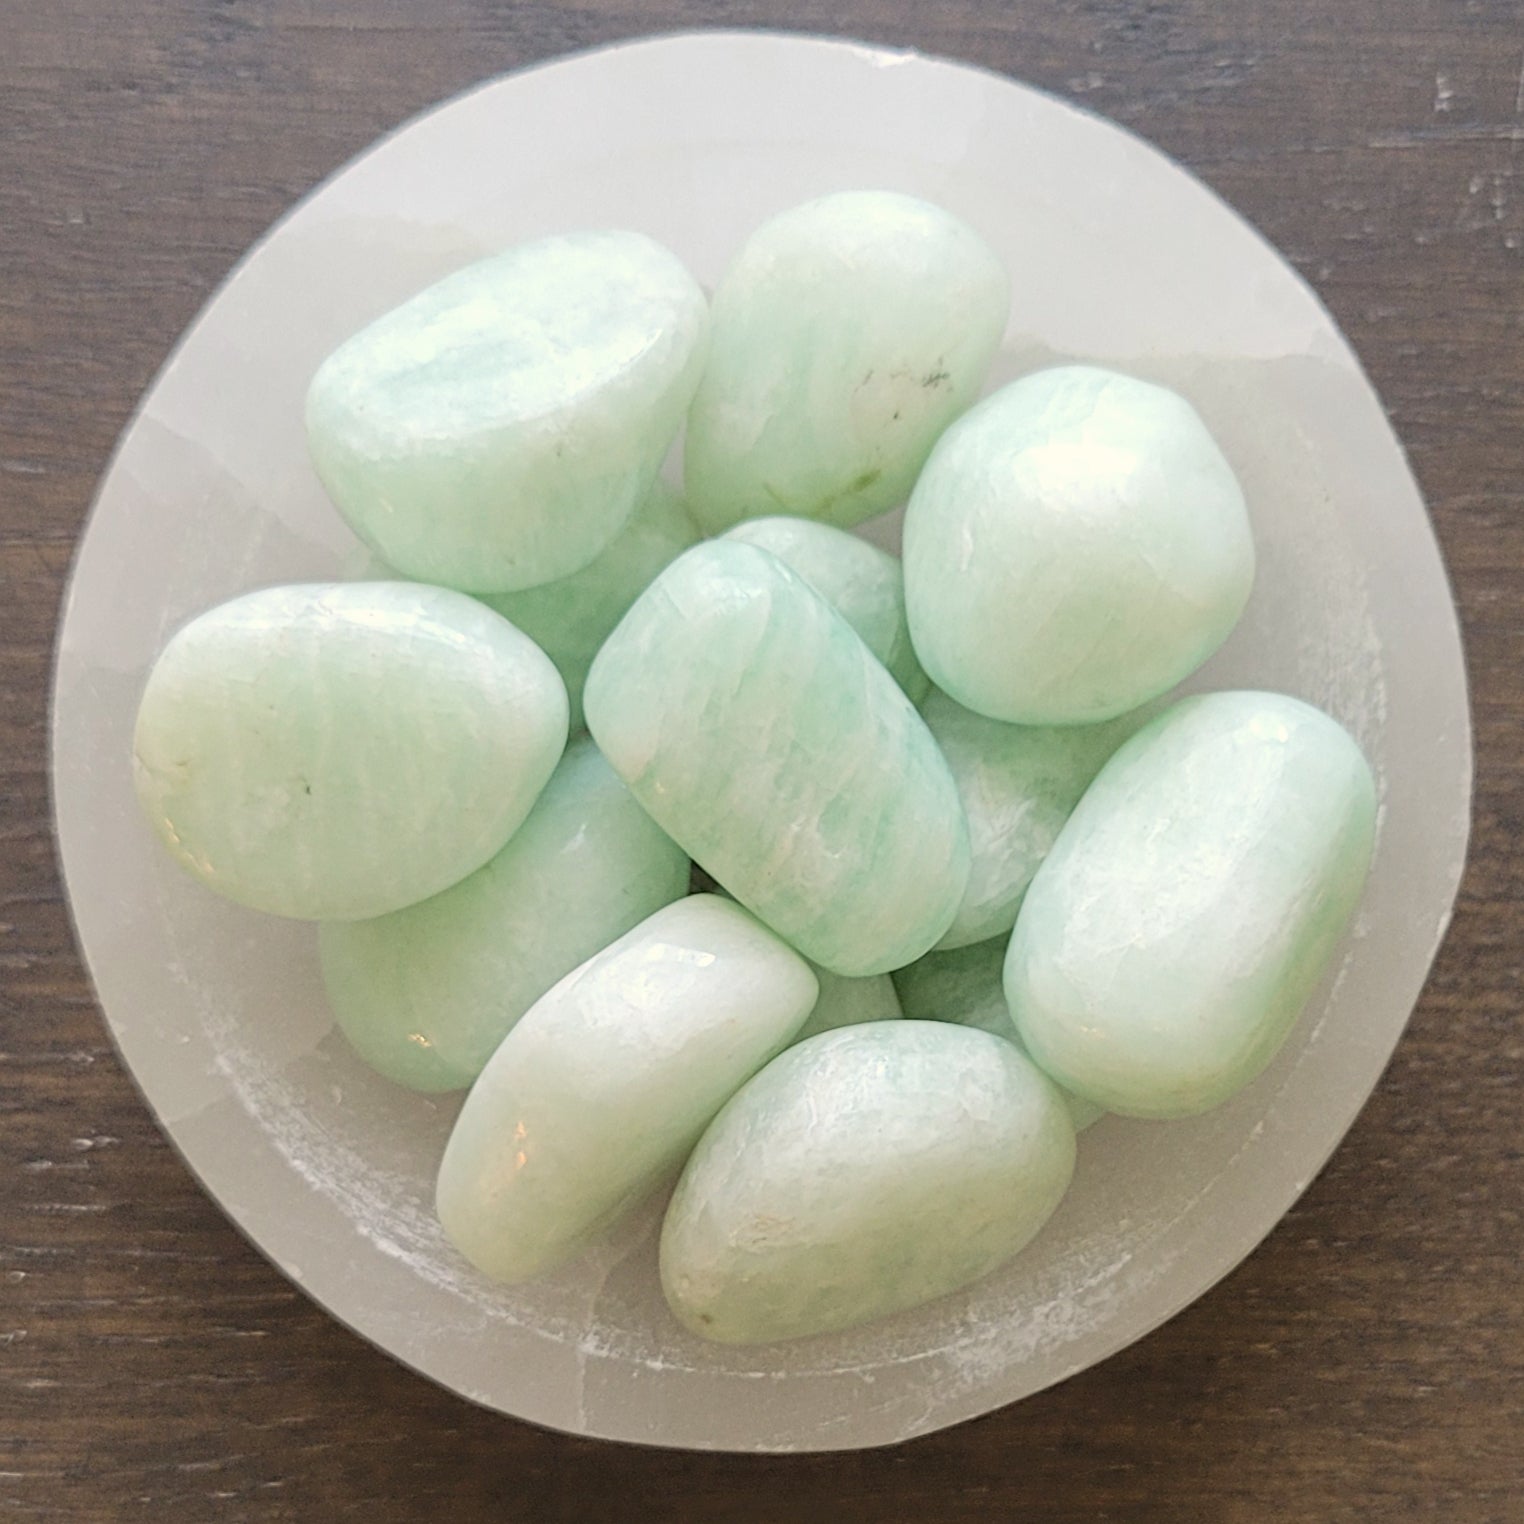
pixel 1366 1363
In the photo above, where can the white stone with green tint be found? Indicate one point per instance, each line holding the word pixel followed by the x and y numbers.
pixel 498 429
pixel 964 986
pixel 602 1089
pixel 848 1002
pixel 426 994
pixel 848 333
pixel 1192 903
pixel 1076 545
pixel 758 730
pixel 336 751
pixel 1017 784
pixel 864 1172
pixel 861 582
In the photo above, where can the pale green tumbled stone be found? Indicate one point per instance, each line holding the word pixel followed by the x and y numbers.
pixel 1192 902
pixel 334 751
pixel 608 1081
pixel 861 582
pixel 569 619
pixel 964 986
pixel 758 730
pixel 848 333
pixel 426 994
pixel 846 1002
pixel 1076 545
pixel 1017 785
pixel 496 431
pixel 863 1172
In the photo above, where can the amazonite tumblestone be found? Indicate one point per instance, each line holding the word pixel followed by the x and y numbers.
pixel 426 994
pixel 861 582
pixel 847 1002
pixel 1076 545
pixel 1192 902
pixel 607 1082
pixel 497 430
pixel 1017 785
pixel 848 333
pixel 864 1172
pixel 333 751
pixel 750 720
pixel 964 986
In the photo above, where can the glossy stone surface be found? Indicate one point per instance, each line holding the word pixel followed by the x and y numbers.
pixel 1017 785
pixel 1076 545
pixel 848 333
pixel 498 429
pixel 847 1002
pixel 863 1172
pixel 608 1081
pixel 569 619
pixel 332 751
pixel 756 728
pixel 1192 902
pixel 426 994
pixel 861 582
pixel 964 986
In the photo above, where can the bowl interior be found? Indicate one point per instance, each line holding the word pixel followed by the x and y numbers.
pixel 1117 257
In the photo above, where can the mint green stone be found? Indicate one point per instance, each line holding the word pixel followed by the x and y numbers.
pixel 863 1172
pixel 426 994
pixel 605 1085
pixel 759 732
pixel 336 751
pixel 497 430
pixel 569 619
pixel 1017 785
pixel 848 1002
pixel 1076 545
pixel 861 582
pixel 848 333
pixel 1192 903
pixel 964 986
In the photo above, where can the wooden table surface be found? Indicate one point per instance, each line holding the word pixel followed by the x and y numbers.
pixel 1367 1362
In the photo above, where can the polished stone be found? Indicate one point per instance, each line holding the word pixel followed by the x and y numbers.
pixel 1076 545
pixel 756 728
pixel 848 333
pixel 861 582
pixel 1192 903
pixel 426 994
pixel 334 751
pixel 497 430
pixel 602 1089
pixel 865 1171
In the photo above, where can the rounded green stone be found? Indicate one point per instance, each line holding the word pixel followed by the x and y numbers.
pixel 847 334
pixel 757 729
pixel 1192 902
pixel 863 1172
pixel 607 1082
pixel 426 994
pixel 861 582
pixel 337 751
pixel 497 430
pixel 847 1002
pixel 1076 545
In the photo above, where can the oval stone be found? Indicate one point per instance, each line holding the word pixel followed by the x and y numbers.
pixel 848 333
pixel 1017 785
pixel 1076 545
pixel 608 1081
pixel 759 732
pixel 426 994
pixel 861 582
pixel 865 1171
pixel 1192 902
pixel 964 986
pixel 335 751
pixel 496 431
